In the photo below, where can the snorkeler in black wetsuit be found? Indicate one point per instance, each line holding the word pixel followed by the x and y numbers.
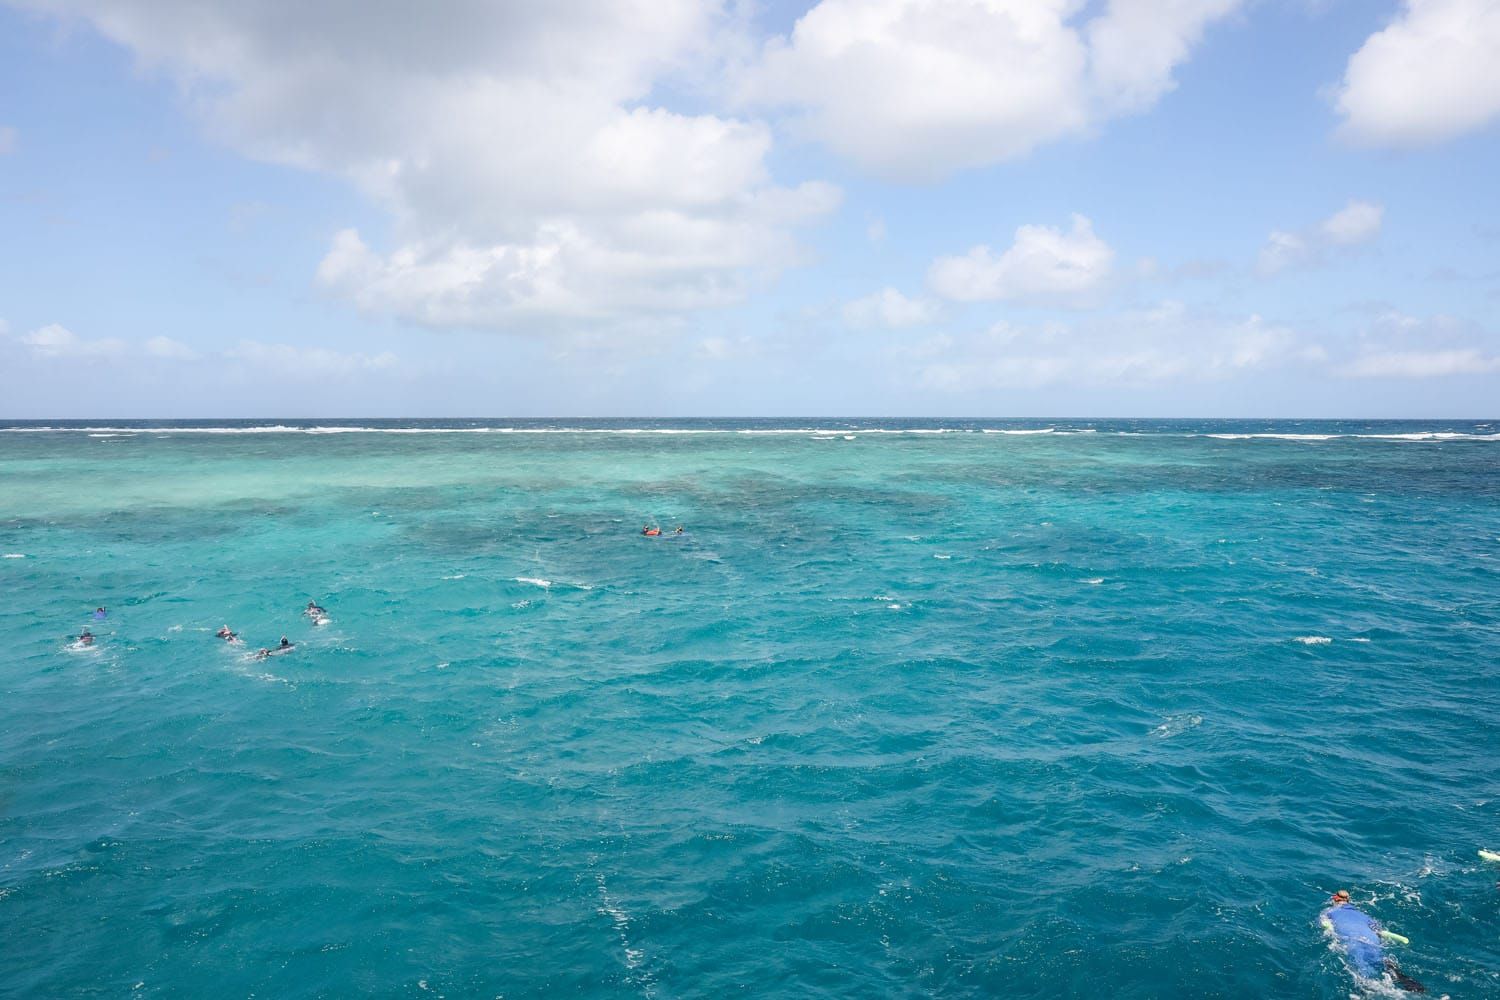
pixel 286 647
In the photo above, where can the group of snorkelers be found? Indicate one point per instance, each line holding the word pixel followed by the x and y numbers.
pixel 86 638
pixel 313 611
pixel 654 531
pixel 1361 937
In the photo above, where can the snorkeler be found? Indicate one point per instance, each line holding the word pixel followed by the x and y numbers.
pixel 679 531
pixel 314 611
pixel 100 614
pixel 285 643
pixel 650 532
pixel 227 635
pixel 86 638
pixel 1362 938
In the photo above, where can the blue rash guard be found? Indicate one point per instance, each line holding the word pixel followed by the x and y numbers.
pixel 1359 935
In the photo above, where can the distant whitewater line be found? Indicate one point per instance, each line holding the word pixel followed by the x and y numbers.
pixel 845 431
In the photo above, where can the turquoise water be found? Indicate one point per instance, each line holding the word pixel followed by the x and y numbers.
pixel 1108 710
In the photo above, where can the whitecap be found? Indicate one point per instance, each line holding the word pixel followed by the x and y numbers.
pixel 1313 640
pixel 1175 724
pixel 1272 437
pixel 320 429
pixel 14 555
pixel 534 581
pixel 1044 430
pixel 1095 580
pixel 1431 436
pixel 937 555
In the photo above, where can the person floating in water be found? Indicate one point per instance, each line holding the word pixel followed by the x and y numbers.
pixel 86 638
pixel 1360 935
pixel 313 610
pixel 286 646
pixel 100 614
pixel 679 531
pixel 650 532
pixel 226 635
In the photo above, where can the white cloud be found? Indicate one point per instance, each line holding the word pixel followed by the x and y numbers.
pixel 528 173
pixel 1282 250
pixel 166 347
pixel 1432 74
pixel 915 89
pixel 721 349
pixel 1423 364
pixel 1135 45
pixel 55 341
pixel 8 139
pixel 888 307
pixel 288 361
pixel 1356 223
pixel 1398 345
pixel 661 260
pixel 1044 263
pixel 1166 343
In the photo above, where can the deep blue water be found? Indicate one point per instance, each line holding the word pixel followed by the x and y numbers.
pixel 1107 708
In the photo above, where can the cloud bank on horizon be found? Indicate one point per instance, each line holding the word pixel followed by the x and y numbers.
pixel 856 204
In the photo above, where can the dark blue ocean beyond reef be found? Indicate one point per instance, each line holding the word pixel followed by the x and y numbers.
pixel 914 708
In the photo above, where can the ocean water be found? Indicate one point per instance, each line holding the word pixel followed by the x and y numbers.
pixel 919 708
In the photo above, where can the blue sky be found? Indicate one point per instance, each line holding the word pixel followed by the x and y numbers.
pixel 684 207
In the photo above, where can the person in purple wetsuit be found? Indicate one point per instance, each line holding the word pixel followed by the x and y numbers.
pixel 1358 934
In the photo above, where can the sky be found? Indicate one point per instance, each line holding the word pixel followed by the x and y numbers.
pixel 1090 208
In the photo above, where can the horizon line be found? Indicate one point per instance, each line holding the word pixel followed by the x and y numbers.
pixel 784 417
